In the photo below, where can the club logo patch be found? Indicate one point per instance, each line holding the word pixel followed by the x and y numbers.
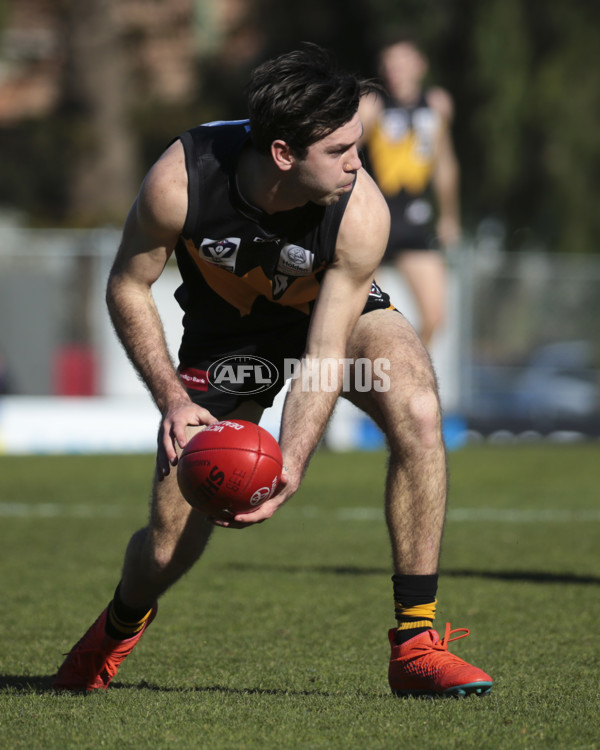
pixel 280 284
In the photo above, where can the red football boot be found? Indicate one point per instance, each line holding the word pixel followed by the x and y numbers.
pixel 94 660
pixel 424 666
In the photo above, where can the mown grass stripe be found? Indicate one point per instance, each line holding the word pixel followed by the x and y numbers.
pixel 502 515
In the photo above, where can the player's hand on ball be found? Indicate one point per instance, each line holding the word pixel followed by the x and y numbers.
pixel 172 434
pixel 230 468
pixel 286 488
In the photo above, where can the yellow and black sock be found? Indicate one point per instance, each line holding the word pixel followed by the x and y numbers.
pixel 414 604
pixel 123 621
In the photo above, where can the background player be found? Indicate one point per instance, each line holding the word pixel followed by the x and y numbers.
pixel 410 155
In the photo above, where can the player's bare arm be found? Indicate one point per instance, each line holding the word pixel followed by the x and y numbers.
pixel 361 242
pixel 445 178
pixel 149 237
pixel 369 111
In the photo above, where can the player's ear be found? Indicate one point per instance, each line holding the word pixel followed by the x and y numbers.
pixel 282 155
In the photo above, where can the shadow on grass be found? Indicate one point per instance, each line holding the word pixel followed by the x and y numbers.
pixel 341 570
pixel 520 576
pixel 26 684
pixel 222 689
pixel 524 576
pixel 37 684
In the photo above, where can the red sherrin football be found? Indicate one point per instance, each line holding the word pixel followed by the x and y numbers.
pixel 230 467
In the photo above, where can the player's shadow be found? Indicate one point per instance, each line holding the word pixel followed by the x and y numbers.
pixel 220 689
pixel 38 684
pixel 340 570
pixel 521 576
pixel 26 683
pixel 524 576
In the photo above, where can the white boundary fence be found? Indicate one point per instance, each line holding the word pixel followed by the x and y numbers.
pixel 521 346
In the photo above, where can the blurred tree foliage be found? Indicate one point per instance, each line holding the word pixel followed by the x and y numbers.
pixel 524 75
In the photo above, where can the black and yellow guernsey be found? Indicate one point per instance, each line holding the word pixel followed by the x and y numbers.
pixel 244 271
pixel 400 155
pixel 250 279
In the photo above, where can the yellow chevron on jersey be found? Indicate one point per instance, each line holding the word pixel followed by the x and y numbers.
pixel 397 164
pixel 242 291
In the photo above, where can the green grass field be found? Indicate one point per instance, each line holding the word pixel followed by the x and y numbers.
pixel 277 639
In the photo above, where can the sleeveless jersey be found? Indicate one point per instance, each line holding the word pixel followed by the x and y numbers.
pixel 246 274
pixel 400 156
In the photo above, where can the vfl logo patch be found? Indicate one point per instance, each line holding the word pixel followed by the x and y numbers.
pixel 222 253
pixel 295 261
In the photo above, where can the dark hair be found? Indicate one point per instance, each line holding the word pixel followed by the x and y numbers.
pixel 401 35
pixel 301 97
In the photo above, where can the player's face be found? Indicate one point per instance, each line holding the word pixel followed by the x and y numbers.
pixel 330 166
pixel 402 65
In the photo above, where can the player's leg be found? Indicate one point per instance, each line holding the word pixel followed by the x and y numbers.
pixel 408 412
pixel 176 536
pixel 156 557
pixel 409 415
pixel 426 275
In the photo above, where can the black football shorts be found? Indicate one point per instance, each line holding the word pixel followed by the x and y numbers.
pixel 253 368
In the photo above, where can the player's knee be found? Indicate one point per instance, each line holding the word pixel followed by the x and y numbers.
pixel 420 425
pixel 424 413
